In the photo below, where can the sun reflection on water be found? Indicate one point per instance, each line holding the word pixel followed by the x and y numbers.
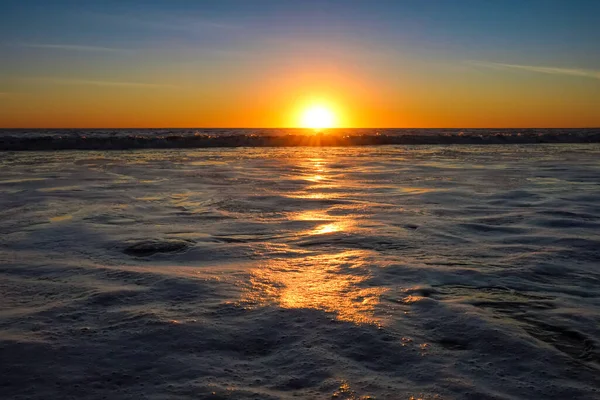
pixel 315 178
pixel 322 183
pixel 328 223
pixel 329 228
pixel 310 215
pixel 335 283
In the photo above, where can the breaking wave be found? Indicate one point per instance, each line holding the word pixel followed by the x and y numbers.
pixel 122 139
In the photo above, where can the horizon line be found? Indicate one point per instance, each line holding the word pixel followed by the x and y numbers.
pixel 310 129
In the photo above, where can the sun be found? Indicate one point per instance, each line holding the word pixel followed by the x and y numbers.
pixel 317 117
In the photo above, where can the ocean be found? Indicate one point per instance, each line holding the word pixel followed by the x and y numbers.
pixel 450 271
pixel 123 139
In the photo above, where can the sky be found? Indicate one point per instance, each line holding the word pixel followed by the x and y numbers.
pixel 400 63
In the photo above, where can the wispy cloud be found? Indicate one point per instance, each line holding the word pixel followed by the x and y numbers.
pixel 588 73
pixel 87 82
pixel 73 47
pixel 189 24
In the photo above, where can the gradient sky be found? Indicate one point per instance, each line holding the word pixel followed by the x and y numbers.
pixel 413 63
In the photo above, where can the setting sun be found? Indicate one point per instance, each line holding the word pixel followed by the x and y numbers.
pixel 317 117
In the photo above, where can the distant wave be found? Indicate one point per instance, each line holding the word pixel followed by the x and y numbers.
pixel 122 139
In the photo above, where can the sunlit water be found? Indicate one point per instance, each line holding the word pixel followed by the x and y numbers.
pixel 436 272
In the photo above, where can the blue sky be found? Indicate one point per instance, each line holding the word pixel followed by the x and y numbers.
pixel 163 43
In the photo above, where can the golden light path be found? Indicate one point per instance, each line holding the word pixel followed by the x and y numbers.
pixel 328 282
pixel 337 281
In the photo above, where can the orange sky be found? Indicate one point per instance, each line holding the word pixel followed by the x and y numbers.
pixel 261 67
pixel 356 100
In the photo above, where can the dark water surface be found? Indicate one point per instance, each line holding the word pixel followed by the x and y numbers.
pixel 395 272
pixel 121 139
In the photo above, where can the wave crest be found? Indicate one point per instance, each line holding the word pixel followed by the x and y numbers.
pixel 122 139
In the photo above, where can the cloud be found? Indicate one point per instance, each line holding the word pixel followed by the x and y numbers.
pixel 588 73
pixel 87 82
pixel 188 24
pixel 73 47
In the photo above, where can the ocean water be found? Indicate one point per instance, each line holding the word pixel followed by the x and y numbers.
pixel 390 272
pixel 122 139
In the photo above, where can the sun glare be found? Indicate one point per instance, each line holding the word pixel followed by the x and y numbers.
pixel 317 117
